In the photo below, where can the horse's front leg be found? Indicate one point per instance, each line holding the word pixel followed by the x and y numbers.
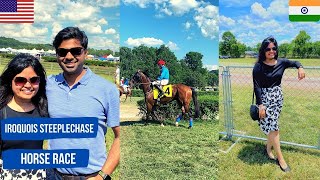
pixel 126 98
pixel 149 112
pixel 180 116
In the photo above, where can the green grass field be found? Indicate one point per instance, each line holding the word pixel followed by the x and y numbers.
pixel 299 123
pixel 155 152
pixel 107 73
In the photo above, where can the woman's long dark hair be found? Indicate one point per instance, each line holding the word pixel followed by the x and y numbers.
pixel 16 66
pixel 265 43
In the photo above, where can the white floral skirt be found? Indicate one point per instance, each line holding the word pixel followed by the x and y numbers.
pixel 272 98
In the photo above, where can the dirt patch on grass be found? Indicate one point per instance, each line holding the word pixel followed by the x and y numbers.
pixel 129 110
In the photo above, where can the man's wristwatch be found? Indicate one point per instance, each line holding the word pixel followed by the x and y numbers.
pixel 104 175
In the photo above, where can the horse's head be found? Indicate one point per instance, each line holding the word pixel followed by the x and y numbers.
pixel 140 78
pixel 136 78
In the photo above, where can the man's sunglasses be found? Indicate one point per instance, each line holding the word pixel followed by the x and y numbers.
pixel 21 81
pixel 269 49
pixel 77 51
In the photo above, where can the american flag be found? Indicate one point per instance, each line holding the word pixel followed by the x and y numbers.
pixel 16 11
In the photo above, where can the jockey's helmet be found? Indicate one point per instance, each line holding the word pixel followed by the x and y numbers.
pixel 161 62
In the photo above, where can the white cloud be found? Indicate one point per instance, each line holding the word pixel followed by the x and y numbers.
pixel 98 42
pixel 226 21
pixel 172 46
pixel 23 31
pixel 140 3
pixel 166 11
pixel 276 8
pixel 189 38
pixel 78 11
pixel 207 21
pixel 180 7
pixel 107 3
pixel 143 3
pixel 110 31
pixel 148 41
pixel 117 38
pixel 187 25
pixel 235 3
pixel 92 28
pixel 211 67
pixel 103 21
pixel 258 10
pixel 56 27
pixel 41 15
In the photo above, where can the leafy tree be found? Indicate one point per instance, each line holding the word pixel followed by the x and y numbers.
pixel 193 60
pixel 300 47
pixel 128 62
pixel 225 46
pixel 235 51
pixel 284 49
pixel 213 78
pixel 188 71
pixel 316 48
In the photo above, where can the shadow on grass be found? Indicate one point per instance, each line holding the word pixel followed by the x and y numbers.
pixel 254 152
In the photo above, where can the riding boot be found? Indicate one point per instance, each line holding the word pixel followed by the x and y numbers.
pixel 159 95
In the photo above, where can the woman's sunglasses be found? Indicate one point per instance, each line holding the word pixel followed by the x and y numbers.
pixel 21 81
pixel 77 51
pixel 269 49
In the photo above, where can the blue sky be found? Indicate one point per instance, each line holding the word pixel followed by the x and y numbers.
pixel 100 19
pixel 182 25
pixel 253 20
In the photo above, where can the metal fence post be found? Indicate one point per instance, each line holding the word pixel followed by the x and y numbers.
pixel 227 102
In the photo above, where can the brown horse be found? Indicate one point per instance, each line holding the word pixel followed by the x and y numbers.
pixel 128 92
pixel 180 92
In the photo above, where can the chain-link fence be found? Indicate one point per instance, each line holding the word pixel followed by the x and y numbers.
pixel 299 121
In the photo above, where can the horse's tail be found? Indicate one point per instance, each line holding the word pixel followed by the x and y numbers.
pixel 195 102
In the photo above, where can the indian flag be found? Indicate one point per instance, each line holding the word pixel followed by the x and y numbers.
pixel 304 10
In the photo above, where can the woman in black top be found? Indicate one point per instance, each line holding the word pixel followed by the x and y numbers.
pixel 267 75
pixel 22 94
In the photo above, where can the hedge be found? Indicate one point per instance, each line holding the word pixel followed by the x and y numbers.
pixel 208 106
pixel 6 55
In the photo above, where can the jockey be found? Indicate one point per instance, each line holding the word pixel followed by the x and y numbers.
pixel 122 81
pixel 163 78
pixel 125 84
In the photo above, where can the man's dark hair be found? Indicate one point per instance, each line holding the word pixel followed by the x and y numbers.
pixel 71 33
pixel 16 66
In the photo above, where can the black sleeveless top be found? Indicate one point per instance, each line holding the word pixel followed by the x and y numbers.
pixel 20 144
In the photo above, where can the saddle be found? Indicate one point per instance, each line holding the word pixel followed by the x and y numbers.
pixel 167 91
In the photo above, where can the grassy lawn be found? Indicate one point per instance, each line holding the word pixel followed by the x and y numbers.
pixel 155 152
pixel 298 123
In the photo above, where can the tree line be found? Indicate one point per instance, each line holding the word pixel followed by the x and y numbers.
pixel 300 47
pixel 13 43
pixel 189 70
